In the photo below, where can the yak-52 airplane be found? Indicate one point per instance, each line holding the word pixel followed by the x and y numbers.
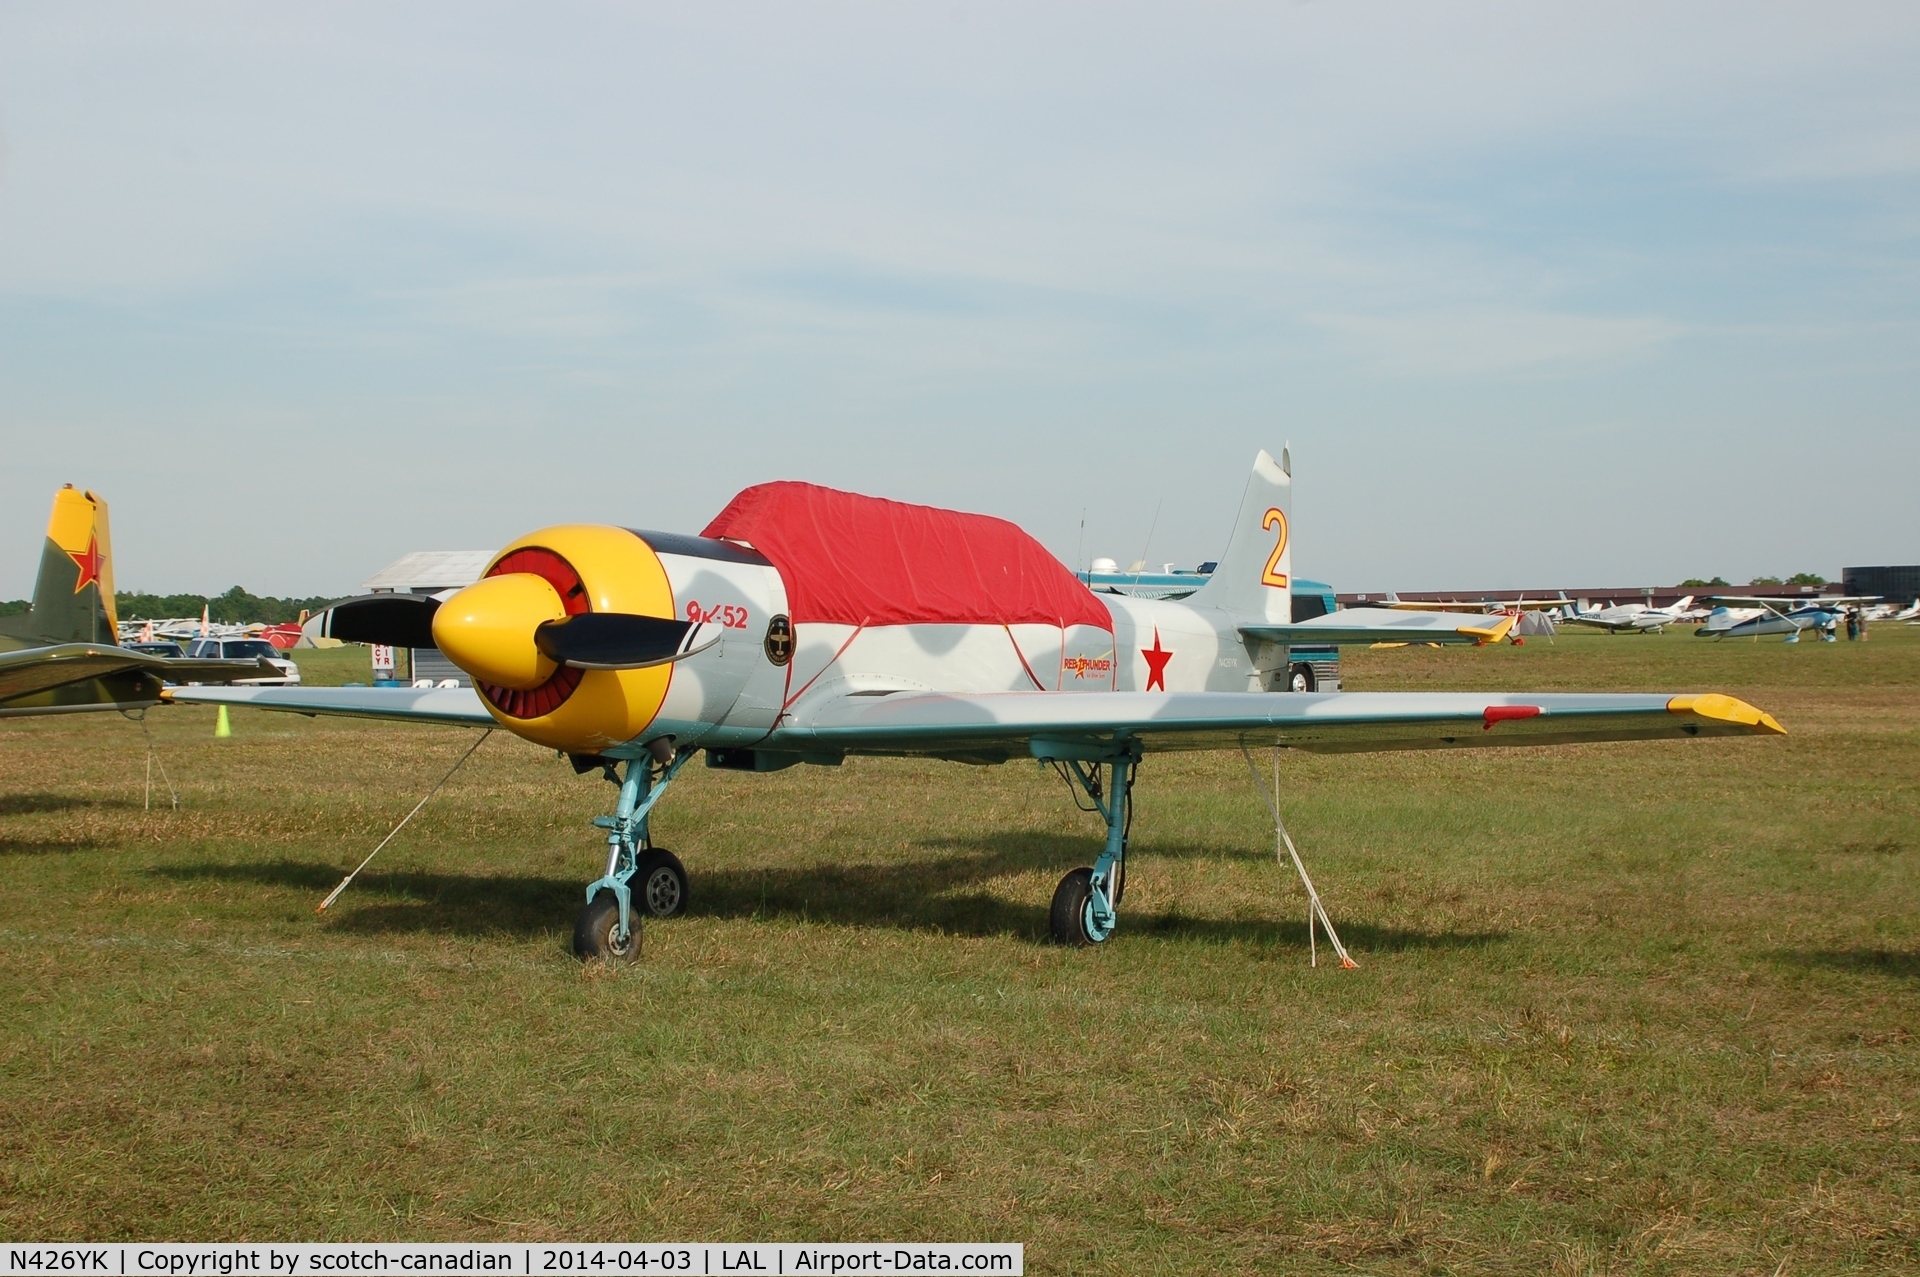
pixel 804 625
pixel 64 655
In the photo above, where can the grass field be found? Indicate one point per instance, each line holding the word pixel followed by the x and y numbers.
pixel 1622 1008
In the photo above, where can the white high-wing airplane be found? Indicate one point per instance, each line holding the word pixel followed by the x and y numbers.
pixel 805 625
pixel 1787 617
pixel 1632 618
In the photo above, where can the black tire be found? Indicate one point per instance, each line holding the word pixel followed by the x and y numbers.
pixel 593 931
pixel 1300 678
pixel 1068 917
pixel 660 884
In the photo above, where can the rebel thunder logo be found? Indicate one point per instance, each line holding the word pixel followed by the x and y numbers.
pixel 1087 666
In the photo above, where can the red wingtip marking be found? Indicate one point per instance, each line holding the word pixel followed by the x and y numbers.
pixel 1501 713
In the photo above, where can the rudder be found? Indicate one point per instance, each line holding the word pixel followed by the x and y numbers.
pixel 1254 577
pixel 73 595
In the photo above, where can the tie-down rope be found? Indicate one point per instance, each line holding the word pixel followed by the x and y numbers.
pixel 335 893
pixel 1314 907
pixel 153 756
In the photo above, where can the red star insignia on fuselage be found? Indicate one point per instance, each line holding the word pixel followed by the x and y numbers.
pixel 1156 663
pixel 88 561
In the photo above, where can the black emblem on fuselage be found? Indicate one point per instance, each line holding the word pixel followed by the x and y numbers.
pixel 779 640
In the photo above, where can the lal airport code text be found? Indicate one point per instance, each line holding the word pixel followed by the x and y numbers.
pixel 575 1259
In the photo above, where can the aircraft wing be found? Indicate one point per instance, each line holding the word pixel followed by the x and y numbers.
pixel 1787 605
pixel 1485 607
pixel 1403 605
pixel 38 669
pixel 404 704
pixel 1384 625
pixel 1000 725
pixel 997 726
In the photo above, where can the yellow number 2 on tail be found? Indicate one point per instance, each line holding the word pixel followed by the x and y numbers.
pixel 1273 576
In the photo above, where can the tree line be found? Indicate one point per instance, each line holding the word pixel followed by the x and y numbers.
pixel 1798 578
pixel 235 607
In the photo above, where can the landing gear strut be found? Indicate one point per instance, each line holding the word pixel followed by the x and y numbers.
pixel 609 927
pixel 1086 904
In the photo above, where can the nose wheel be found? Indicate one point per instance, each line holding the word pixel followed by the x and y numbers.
pixel 597 933
pixel 641 880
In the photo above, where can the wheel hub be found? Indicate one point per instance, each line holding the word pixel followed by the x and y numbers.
pixel 662 892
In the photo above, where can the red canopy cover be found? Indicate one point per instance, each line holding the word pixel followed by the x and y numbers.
pixel 863 560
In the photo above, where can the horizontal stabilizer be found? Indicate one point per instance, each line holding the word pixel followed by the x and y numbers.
pixel 38 669
pixel 1385 625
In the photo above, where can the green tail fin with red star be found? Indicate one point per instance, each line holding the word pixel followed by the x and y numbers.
pixel 73 596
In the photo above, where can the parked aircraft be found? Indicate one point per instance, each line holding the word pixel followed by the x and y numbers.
pixel 1631 618
pixel 64 655
pixel 1489 606
pixel 1779 616
pixel 805 625
pixel 1527 618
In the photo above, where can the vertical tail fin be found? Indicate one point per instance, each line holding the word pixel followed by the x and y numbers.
pixel 1255 575
pixel 73 596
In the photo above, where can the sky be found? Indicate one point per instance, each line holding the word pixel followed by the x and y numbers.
pixel 1538 294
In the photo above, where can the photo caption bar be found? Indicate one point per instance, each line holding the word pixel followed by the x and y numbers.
pixel 323 1259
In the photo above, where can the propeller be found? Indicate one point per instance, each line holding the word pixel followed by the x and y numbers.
pixel 588 641
pixel 622 640
pixel 396 620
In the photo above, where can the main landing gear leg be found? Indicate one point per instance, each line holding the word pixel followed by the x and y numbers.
pixel 609 927
pixel 1086 904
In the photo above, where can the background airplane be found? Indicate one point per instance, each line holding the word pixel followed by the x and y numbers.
pixel 64 656
pixel 805 625
pixel 1527 618
pixel 1488 606
pixel 1778 616
pixel 1631 618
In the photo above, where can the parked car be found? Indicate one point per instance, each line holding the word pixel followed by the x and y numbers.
pixel 156 648
pixel 246 649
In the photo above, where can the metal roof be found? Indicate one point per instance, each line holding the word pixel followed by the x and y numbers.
pixel 425 571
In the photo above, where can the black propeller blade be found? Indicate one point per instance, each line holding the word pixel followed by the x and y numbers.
pixel 398 620
pixel 621 640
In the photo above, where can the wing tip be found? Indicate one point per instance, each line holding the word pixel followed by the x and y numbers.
pixel 1728 709
pixel 1491 633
